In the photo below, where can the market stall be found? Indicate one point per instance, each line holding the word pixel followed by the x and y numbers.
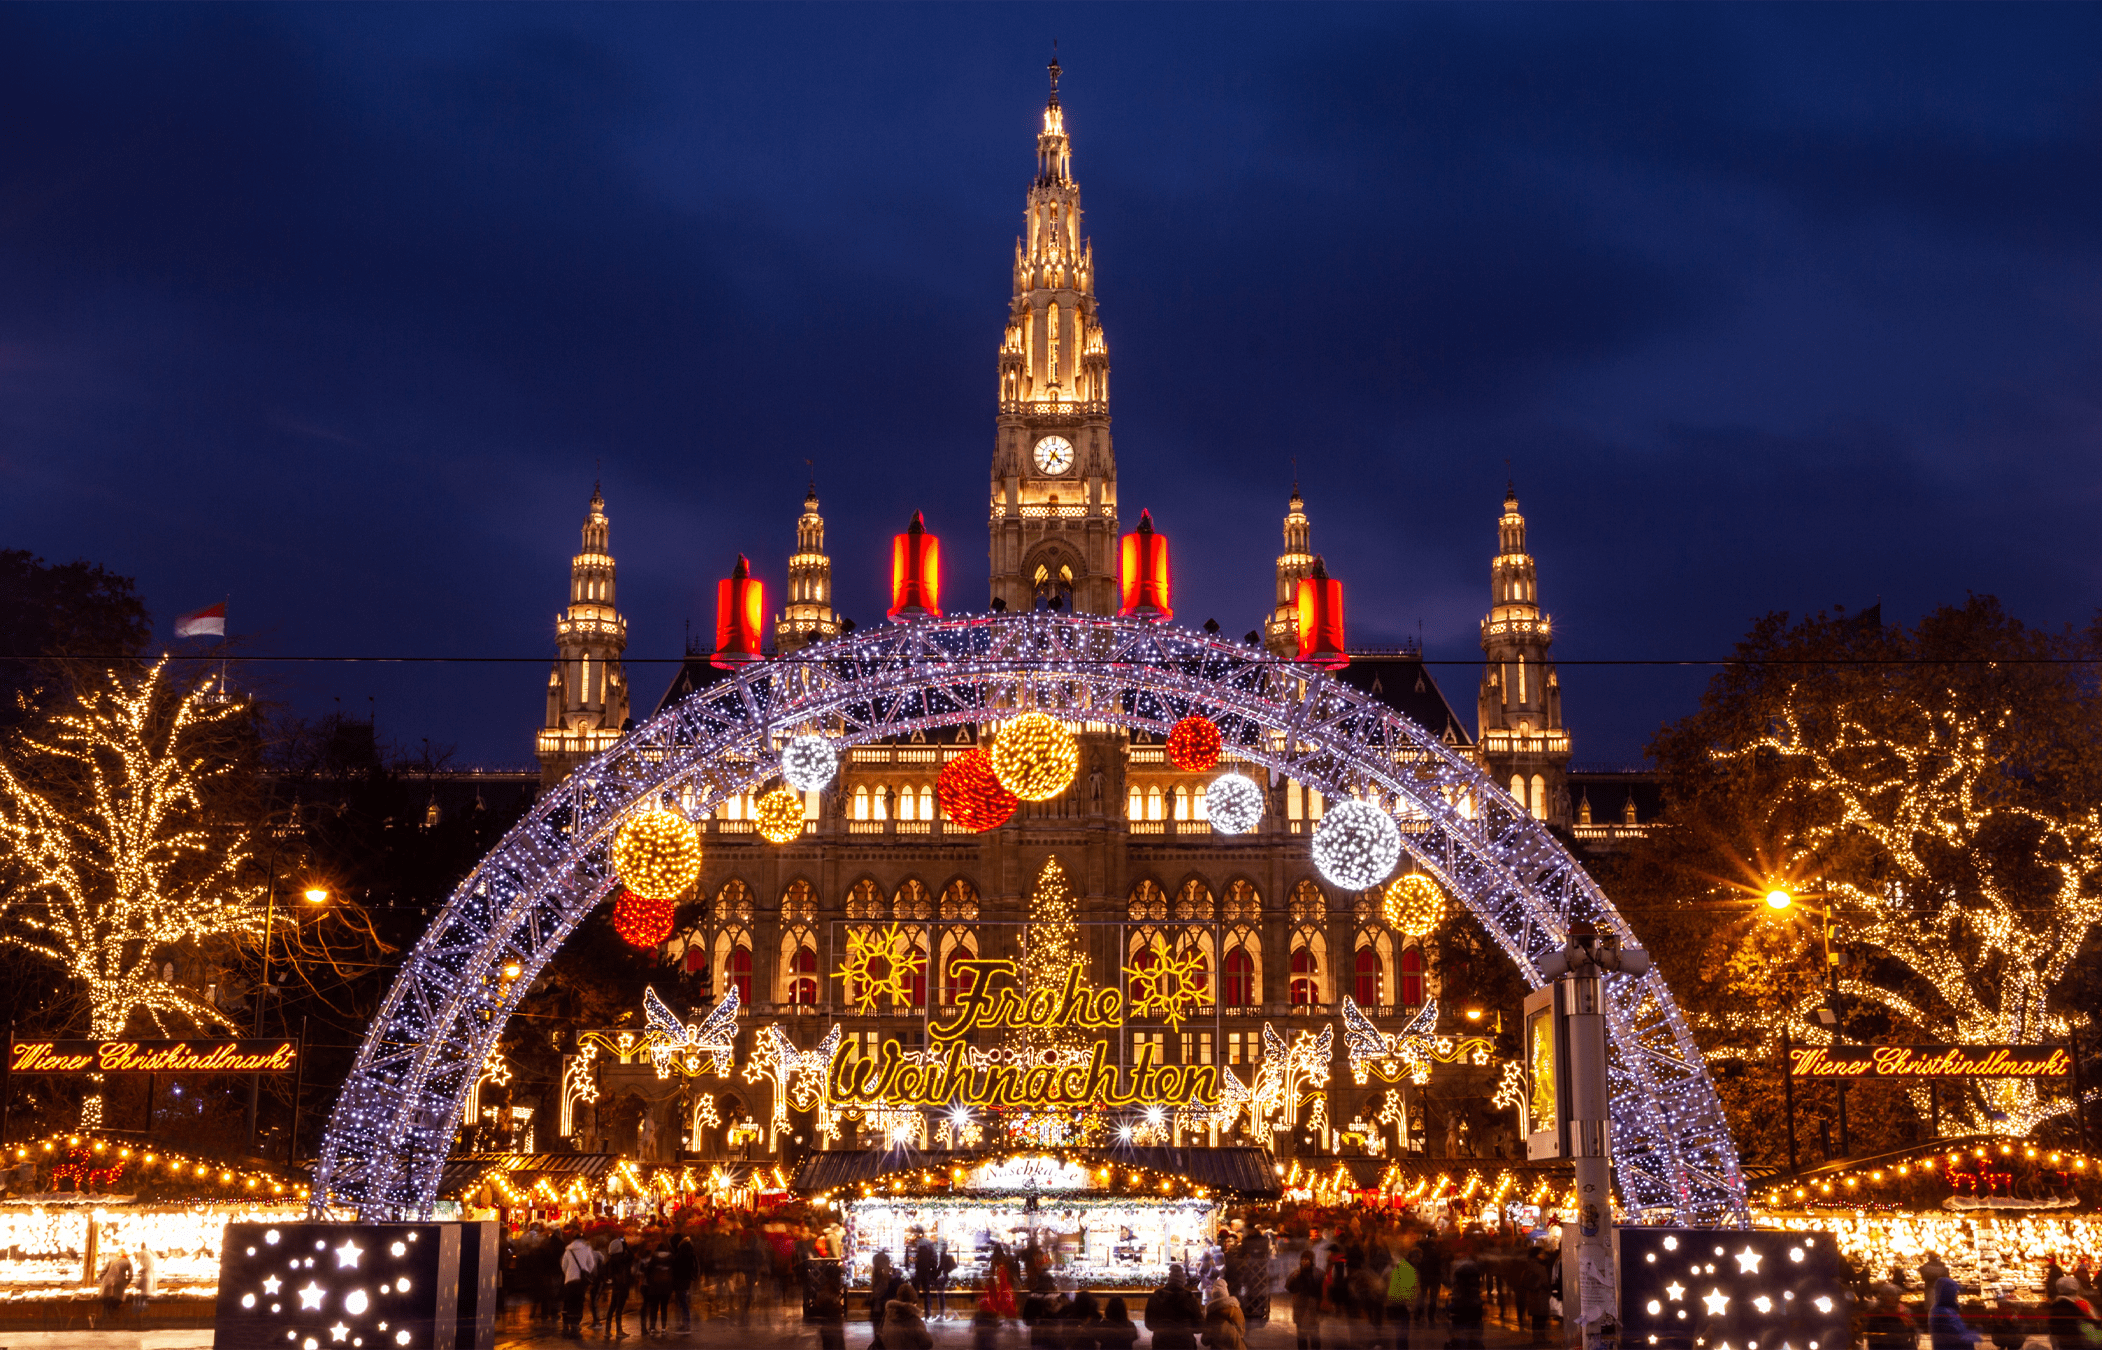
pixel 1109 1219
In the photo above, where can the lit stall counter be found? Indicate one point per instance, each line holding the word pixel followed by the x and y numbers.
pixel 56 1249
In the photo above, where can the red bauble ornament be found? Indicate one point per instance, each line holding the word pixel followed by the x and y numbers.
pixel 971 795
pixel 1193 744
pixel 641 920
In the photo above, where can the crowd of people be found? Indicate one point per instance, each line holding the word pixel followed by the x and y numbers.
pixel 2067 1319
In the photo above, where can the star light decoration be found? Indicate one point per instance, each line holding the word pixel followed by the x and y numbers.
pixel 1685 1288
pixel 1169 985
pixel 809 763
pixel 1356 845
pixel 657 853
pixel 1234 803
pixel 1035 756
pixel 780 816
pixel 302 1286
pixel 400 1103
pixel 877 965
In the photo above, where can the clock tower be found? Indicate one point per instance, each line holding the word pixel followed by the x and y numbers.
pixel 1054 488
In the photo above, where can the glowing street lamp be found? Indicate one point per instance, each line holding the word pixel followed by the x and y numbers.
pixel 317 895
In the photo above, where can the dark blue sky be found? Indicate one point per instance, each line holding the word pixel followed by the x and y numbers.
pixel 334 308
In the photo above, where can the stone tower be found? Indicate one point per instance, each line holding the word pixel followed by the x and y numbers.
pixel 1523 744
pixel 809 616
pixel 587 692
pixel 1054 481
pixel 1294 565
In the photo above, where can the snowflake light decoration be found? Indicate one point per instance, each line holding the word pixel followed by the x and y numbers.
pixel 1234 803
pixel 657 853
pixel 1193 744
pixel 1170 986
pixel 1356 845
pixel 875 968
pixel 809 763
pixel 1035 756
pixel 1414 904
pixel 780 815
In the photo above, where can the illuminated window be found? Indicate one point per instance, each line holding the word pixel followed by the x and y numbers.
pixel 1153 803
pixel 1137 809
pixel 1198 811
pixel 960 900
pixel 1518 788
pixel 908 805
pixel 738 969
pixel 1539 797
pixel 1412 976
pixel 1182 803
pixel 1240 978
pixel 864 901
pixel 1306 978
pixel 802 984
pixel 861 803
pixel 1244 1047
pixel 916 983
pixel 926 803
pixel 912 901
pixel 1365 978
pixel 1196 1047
pixel 879 804
pixel 1148 1047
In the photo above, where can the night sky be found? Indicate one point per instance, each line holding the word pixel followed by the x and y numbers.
pixel 337 311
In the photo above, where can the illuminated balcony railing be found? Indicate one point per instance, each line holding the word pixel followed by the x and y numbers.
pixel 1052 408
pixel 1538 743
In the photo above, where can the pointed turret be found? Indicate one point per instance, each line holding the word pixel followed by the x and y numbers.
pixel 1294 565
pixel 587 691
pixel 1523 743
pixel 808 616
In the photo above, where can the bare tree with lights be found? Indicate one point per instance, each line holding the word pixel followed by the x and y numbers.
pixel 1933 791
pixel 111 849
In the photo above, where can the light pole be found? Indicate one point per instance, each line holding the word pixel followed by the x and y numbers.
pixel 314 895
pixel 1780 899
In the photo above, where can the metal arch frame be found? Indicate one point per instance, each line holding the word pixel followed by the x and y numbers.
pixel 389 1132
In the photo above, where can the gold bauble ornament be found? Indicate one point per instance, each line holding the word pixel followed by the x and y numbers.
pixel 780 815
pixel 657 853
pixel 1035 756
pixel 1414 905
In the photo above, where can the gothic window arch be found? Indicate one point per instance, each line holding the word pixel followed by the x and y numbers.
pixel 1309 967
pixel 798 902
pixel 1182 802
pixel 1308 904
pixel 1153 804
pixel 1193 903
pixel 1139 953
pixel 864 900
pixel 1372 968
pixel 1244 904
pixel 798 979
pixel 1412 981
pixel 1135 804
pixel 1241 971
pixel 733 962
pixel 912 901
pixel 957 944
pixel 861 803
pixel 733 903
pixel 1148 901
pixel 960 901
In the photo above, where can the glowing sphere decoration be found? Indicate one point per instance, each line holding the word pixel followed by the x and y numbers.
pixel 1193 744
pixel 1035 756
pixel 642 920
pixel 1234 803
pixel 1356 845
pixel 780 815
pixel 809 763
pixel 970 793
pixel 657 853
pixel 1414 905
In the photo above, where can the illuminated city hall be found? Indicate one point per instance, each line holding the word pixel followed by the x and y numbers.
pixel 1127 851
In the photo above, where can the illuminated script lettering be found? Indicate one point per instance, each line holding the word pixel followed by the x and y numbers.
pixel 243 1056
pixel 1930 1061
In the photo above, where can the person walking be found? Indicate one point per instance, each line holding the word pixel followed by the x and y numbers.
pixel 579 1264
pixel 1466 1307
pixel 1225 1327
pixel 1401 1299
pixel 1945 1328
pixel 2072 1323
pixel 1304 1285
pixel 657 1281
pixel 829 1310
pixel 1117 1331
pixel 924 1272
pixel 620 1276
pixel 1173 1313
pixel 1532 1286
pixel 116 1278
pixel 685 1269
pixel 1888 1326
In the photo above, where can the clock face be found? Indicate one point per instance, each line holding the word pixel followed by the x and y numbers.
pixel 1054 454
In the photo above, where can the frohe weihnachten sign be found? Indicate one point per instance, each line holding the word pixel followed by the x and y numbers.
pixel 215 1056
pixel 1930 1061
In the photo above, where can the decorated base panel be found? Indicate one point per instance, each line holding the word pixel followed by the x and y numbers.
pixel 306 1286
pixel 1710 1287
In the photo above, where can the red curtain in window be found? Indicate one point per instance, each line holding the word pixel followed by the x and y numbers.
pixel 956 983
pixel 1365 978
pixel 1412 977
pixel 916 983
pixel 741 973
pixel 1306 989
pixel 802 986
pixel 1240 978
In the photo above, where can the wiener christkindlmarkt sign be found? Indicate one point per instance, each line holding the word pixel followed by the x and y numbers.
pixel 1930 1061
pixel 952 1072
pixel 214 1056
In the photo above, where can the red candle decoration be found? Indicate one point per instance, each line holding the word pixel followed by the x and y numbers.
pixel 1321 620
pixel 1143 570
pixel 740 617
pixel 915 573
pixel 1193 744
pixel 641 920
pixel 970 793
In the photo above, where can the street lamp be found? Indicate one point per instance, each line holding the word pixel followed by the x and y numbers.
pixel 317 895
pixel 1780 899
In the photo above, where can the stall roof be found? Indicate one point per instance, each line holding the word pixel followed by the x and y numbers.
pixel 1245 1171
pixel 463 1171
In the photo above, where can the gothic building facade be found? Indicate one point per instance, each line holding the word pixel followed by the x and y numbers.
pixel 1278 945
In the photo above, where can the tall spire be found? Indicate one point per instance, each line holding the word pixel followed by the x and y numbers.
pixel 1054 474
pixel 1294 565
pixel 587 691
pixel 808 617
pixel 1522 740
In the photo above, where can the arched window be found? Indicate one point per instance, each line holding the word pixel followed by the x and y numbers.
pixel 1539 797
pixel 1308 904
pixel 1197 809
pixel 738 972
pixel 733 903
pixel 1193 903
pixel 798 902
pixel 1240 978
pixel 1412 977
pixel 926 803
pixel 1518 788
pixel 912 901
pixel 960 900
pixel 1137 807
pixel 1243 903
pixel 864 901
pixel 1365 978
pixel 861 802
pixel 802 983
pixel 879 804
pixel 1153 803
pixel 908 804
pixel 956 982
pixel 1182 803
pixel 916 983
pixel 1148 902
pixel 1306 978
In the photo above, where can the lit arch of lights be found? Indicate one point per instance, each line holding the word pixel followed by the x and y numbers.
pixel 390 1130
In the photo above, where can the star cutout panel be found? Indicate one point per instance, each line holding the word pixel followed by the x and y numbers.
pixel 339 1286
pixel 1727 1289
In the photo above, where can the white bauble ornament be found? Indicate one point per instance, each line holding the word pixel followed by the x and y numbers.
pixel 1234 803
pixel 1356 845
pixel 809 763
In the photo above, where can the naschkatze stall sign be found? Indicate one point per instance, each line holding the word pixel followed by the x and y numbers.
pixel 1930 1061
pixel 215 1056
